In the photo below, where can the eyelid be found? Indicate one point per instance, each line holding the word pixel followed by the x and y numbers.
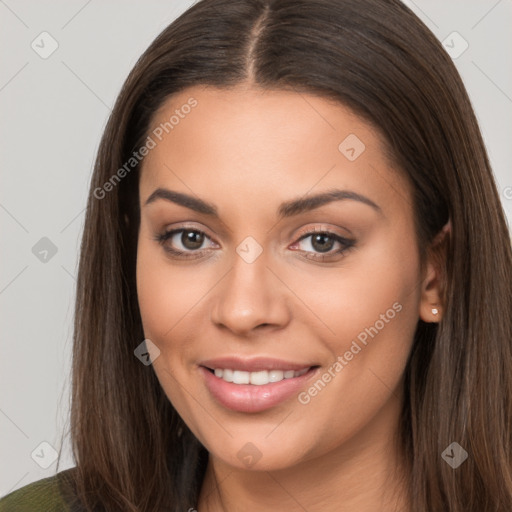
pixel 325 228
pixel 188 226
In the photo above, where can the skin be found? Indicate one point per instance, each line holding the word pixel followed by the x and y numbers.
pixel 246 151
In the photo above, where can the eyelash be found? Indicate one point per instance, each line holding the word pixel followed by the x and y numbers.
pixel 347 244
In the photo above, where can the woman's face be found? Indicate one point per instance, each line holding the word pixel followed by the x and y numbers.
pixel 332 288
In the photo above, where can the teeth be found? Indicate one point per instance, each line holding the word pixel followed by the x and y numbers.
pixel 256 378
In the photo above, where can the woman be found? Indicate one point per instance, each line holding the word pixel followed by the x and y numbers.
pixel 295 279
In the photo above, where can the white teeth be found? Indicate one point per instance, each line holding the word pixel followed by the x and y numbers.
pixel 227 375
pixel 275 375
pixel 257 378
pixel 241 377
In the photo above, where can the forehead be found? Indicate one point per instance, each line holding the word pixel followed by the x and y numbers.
pixel 244 143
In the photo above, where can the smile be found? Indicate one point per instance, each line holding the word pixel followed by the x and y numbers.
pixel 256 378
pixel 255 391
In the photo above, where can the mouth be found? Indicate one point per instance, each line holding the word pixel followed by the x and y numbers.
pixel 254 385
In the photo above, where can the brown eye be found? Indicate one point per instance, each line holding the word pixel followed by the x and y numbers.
pixel 192 239
pixel 321 244
pixel 184 242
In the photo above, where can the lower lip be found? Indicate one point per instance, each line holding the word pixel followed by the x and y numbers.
pixel 251 398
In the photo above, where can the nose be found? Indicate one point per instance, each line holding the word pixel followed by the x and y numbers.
pixel 251 296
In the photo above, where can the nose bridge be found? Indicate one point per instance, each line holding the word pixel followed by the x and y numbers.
pixel 250 295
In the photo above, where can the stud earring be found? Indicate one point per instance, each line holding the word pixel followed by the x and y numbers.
pixel 435 311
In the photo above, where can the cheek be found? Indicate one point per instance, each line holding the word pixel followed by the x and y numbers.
pixel 150 292
pixel 170 298
pixel 374 324
pixel 161 309
pixel 160 303
pixel 374 314
pixel 371 313
pixel 375 289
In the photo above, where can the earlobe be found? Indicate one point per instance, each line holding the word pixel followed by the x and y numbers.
pixel 430 309
pixel 433 285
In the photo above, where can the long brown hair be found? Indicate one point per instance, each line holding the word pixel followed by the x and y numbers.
pixel 133 451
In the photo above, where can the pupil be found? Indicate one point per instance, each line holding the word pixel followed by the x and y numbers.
pixel 192 239
pixel 322 246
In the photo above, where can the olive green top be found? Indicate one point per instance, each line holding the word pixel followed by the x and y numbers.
pixel 42 496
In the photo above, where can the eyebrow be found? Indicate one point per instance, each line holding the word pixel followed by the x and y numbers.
pixel 286 209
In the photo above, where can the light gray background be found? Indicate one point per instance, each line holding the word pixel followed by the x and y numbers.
pixel 53 112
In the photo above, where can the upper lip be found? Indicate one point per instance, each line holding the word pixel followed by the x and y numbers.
pixel 253 364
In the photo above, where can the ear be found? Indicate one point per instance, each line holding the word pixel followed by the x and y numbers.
pixel 432 288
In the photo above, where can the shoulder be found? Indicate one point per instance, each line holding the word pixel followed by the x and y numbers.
pixel 46 494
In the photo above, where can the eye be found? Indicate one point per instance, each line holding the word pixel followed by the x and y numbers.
pixel 322 242
pixel 184 242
